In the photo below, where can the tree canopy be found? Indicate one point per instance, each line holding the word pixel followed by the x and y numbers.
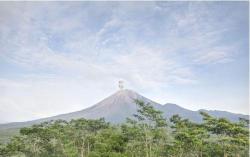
pixel 147 134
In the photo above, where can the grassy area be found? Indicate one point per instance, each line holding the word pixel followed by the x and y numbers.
pixel 6 134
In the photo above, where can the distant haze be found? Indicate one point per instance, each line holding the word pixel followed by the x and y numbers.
pixel 121 105
pixel 60 57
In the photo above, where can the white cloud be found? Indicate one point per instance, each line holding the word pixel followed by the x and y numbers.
pixel 92 46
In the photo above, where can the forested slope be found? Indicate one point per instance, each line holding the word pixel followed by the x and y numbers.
pixel 147 134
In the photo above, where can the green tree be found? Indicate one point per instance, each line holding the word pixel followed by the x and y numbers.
pixel 233 138
pixel 145 135
pixel 190 137
pixel 149 129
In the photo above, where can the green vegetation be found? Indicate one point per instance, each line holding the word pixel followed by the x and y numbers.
pixel 6 134
pixel 148 134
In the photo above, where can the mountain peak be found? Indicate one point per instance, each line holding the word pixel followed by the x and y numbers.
pixel 126 92
pixel 123 96
pixel 117 107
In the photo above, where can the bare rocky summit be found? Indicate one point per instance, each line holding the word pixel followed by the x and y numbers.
pixel 117 107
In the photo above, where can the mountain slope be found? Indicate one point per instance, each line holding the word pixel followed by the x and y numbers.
pixel 114 108
pixel 120 105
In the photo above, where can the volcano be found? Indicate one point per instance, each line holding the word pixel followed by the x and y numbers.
pixel 117 107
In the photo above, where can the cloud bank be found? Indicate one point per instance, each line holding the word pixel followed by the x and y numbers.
pixel 58 57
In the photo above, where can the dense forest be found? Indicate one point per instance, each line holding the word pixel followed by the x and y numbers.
pixel 147 134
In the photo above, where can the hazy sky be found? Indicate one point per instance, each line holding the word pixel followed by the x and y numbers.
pixel 65 56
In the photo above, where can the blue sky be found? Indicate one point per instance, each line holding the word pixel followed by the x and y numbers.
pixel 59 57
